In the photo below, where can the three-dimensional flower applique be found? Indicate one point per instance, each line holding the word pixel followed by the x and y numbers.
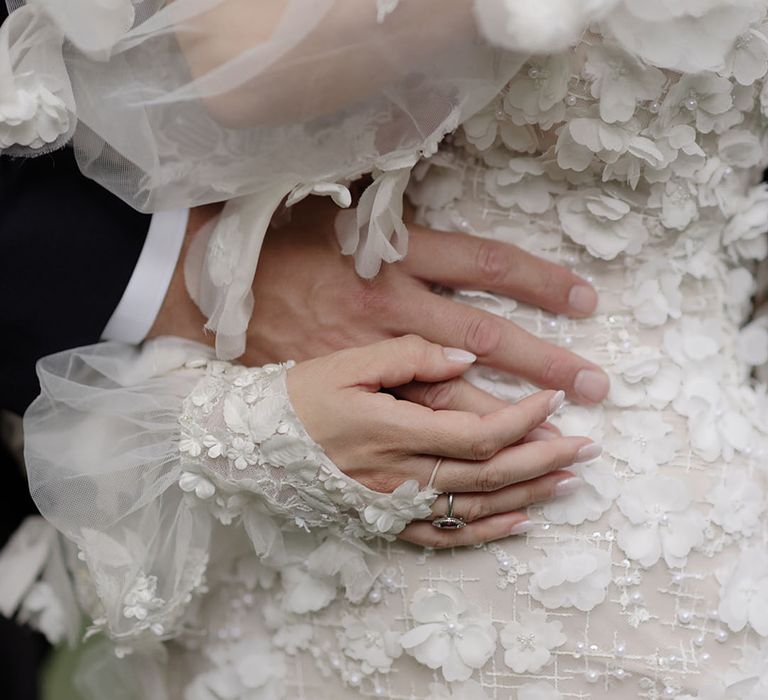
pixel 391 512
pixel 449 633
pixel 644 380
pixel 523 183
pixel 582 139
pixel 535 95
pixel 737 503
pixel 654 295
pixel 529 641
pixel 247 669
pixel 468 690
pixel 540 690
pixel 747 61
pixel 43 609
pixel 305 590
pixel 32 116
pixel 570 575
pixel 660 521
pixel 700 99
pixel 744 233
pixel 744 592
pixel 590 501
pixel 643 440
pixel 620 81
pixel 605 225
pixel 371 640
pixel 677 199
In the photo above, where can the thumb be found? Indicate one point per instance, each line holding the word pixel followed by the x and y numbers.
pixel 403 360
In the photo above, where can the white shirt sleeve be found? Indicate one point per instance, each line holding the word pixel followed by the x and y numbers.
pixel 143 297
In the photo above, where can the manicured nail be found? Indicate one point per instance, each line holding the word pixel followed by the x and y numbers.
pixel 458 355
pixel 568 486
pixel 521 527
pixel 588 452
pixel 556 401
pixel 582 299
pixel 543 434
pixel 592 385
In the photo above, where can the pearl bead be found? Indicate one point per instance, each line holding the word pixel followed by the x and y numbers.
pixel 580 646
pixel 568 341
pixel 700 640
pixel 685 617
pixel 620 650
pixel 664 519
pixel 335 663
pixel 570 100
pixel 620 673
pixel 378 691
pixel 672 659
pixel 636 598
pixel 653 107
pixel 705 656
pixel 505 565
pixel 553 323
pixel 714 615
pixel 592 676
pixel 691 104
pixel 677 579
pixel 594 648
pixel 375 596
pixel 533 72
pixel 721 635
pixel 354 679
pixel 669 692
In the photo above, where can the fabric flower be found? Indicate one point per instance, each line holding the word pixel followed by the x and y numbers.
pixel 588 502
pixel 654 295
pixel 522 184
pixel 603 224
pixel 745 232
pixel 202 487
pixel 700 98
pixel 535 95
pixel 370 640
pixel 744 592
pixel 747 61
pixel 449 633
pixel 677 199
pixel 570 575
pixel 644 441
pixel 44 611
pixel 660 521
pixel 32 117
pixel 620 81
pixel 644 380
pixel 306 591
pixel 737 503
pixel 389 513
pixel 529 640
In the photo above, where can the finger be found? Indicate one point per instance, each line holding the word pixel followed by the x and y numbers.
pixel 495 527
pixel 546 431
pixel 514 465
pixel 398 361
pixel 475 506
pixel 504 345
pixel 455 395
pixel 467 436
pixel 461 261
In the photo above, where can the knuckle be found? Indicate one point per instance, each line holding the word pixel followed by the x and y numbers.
pixel 474 509
pixel 440 395
pixel 553 369
pixel 372 299
pixel 487 478
pixel 482 447
pixel 482 335
pixel 492 263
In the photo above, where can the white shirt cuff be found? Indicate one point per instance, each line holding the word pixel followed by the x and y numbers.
pixel 146 290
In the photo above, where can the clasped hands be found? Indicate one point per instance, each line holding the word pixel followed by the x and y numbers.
pixel 379 376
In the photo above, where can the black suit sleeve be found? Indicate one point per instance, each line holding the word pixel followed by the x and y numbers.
pixel 67 251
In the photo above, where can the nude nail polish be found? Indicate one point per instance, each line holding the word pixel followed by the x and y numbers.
pixel 521 528
pixel 582 299
pixel 592 385
pixel 556 401
pixel 588 452
pixel 458 355
pixel 567 486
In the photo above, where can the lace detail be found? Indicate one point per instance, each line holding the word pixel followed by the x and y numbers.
pixel 240 436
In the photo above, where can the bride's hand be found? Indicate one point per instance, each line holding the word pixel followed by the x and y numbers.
pixel 382 441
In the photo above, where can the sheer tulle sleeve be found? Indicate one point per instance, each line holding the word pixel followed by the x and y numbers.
pixel 262 102
pixel 138 455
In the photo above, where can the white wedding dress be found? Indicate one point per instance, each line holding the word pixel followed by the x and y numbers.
pixel 635 158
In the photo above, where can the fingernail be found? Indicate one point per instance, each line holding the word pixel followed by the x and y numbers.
pixel 521 527
pixel 458 355
pixel 556 401
pixel 543 434
pixel 582 298
pixel 588 452
pixel 568 486
pixel 592 385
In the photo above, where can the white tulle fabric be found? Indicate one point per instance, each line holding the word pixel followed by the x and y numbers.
pixel 187 443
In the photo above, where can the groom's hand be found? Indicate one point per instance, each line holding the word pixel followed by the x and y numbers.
pixel 309 301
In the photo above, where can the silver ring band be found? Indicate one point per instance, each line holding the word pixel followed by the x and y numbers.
pixel 449 521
